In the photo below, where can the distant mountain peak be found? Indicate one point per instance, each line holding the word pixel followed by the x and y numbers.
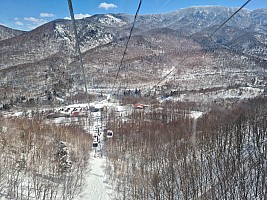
pixel 158 43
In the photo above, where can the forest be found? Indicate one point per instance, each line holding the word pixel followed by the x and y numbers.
pixel 164 154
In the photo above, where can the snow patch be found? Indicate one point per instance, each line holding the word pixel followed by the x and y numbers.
pixel 111 20
pixel 196 114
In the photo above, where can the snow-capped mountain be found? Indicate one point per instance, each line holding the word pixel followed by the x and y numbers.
pixel 234 56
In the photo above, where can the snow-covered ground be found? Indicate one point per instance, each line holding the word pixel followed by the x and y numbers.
pixel 96 185
pixel 219 95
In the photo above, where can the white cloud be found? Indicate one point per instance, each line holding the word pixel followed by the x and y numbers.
pixel 79 16
pixel 35 20
pixel 47 15
pixel 107 6
pixel 19 23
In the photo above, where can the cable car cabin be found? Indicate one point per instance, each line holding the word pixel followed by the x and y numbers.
pixel 109 134
pixel 139 106
pixel 95 143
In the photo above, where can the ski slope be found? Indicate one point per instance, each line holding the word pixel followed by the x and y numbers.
pixel 97 186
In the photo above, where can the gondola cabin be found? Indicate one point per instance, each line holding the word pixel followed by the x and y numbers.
pixel 95 143
pixel 139 106
pixel 109 134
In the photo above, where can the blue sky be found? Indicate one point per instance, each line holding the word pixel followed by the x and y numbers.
pixel 28 14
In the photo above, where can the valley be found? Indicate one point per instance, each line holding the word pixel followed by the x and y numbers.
pixel 187 109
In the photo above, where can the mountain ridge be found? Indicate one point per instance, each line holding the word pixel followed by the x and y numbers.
pixel 6 32
pixel 159 43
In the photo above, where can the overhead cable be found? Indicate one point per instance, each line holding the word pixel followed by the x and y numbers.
pixel 77 44
pixel 127 43
pixel 185 58
pixel 229 18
